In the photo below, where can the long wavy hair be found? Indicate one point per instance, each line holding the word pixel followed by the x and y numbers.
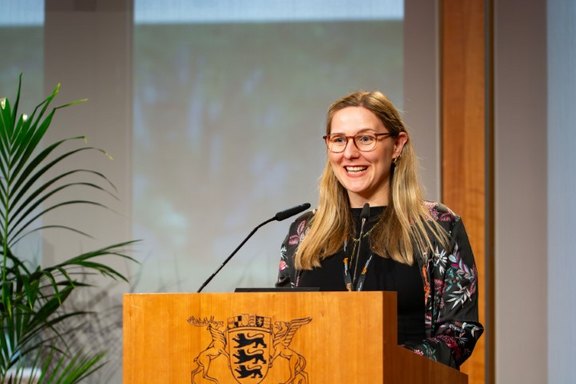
pixel 406 224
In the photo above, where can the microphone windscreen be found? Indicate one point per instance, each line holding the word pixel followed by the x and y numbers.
pixel 365 211
pixel 291 211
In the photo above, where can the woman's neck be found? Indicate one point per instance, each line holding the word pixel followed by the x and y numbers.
pixel 358 202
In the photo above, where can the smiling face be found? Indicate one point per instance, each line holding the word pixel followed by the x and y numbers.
pixel 364 175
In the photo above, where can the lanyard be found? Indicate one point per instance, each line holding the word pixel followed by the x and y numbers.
pixel 350 281
pixel 348 275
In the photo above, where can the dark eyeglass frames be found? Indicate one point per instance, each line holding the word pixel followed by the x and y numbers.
pixel 365 142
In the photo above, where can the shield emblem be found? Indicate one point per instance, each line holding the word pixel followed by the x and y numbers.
pixel 249 345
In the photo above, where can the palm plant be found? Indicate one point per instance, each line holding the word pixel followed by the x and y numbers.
pixel 34 335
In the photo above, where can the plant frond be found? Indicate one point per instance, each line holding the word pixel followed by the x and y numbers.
pixel 63 371
pixel 40 195
pixel 31 196
pixel 14 232
pixel 43 227
pixel 37 320
pixel 36 168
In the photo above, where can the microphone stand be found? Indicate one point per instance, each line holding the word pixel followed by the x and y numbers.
pixel 282 215
pixel 233 253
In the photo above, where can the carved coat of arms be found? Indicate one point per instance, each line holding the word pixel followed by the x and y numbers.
pixel 250 343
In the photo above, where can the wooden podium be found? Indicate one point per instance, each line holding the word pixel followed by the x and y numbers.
pixel 270 337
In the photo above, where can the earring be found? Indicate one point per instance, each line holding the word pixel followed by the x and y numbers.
pixel 395 160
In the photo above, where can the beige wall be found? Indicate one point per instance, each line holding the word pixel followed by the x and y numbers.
pixel 88 50
pixel 421 102
pixel 521 262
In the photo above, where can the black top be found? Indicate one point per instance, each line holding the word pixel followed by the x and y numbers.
pixel 448 274
pixel 383 274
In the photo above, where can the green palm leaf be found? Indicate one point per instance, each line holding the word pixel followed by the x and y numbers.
pixel 36 335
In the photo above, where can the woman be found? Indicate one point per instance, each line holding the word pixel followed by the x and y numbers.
pixel 374 231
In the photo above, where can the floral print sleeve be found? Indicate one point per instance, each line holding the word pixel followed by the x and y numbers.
pixel 287 276
pixel 451 294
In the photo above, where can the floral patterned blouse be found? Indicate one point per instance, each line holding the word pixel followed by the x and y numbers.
pixel 450 282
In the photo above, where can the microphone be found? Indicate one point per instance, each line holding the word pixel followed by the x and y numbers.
pixel 364 215
pixel 282 215
pixel 291 212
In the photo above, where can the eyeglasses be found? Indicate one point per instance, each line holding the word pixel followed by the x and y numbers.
pixel 365 142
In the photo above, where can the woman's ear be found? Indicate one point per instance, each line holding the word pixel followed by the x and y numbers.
pixel 399 143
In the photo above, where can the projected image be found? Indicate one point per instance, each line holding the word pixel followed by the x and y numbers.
pixel 228 119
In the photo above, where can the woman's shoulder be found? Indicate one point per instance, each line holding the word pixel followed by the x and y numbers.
pixel 299 227
pixel 303 221
pixel 440 212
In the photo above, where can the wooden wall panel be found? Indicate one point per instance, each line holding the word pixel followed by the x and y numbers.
pixel 465 144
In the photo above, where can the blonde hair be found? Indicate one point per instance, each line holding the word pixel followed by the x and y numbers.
pixel 404 226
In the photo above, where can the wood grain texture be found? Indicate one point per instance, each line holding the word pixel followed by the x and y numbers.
pixel 465 142
pixel 350 338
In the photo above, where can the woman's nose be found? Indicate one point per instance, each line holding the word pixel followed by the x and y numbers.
pixel 351 150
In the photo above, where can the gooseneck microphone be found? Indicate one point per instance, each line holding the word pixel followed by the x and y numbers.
pixel 289 213
pixel 364 215
pixel 282 215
